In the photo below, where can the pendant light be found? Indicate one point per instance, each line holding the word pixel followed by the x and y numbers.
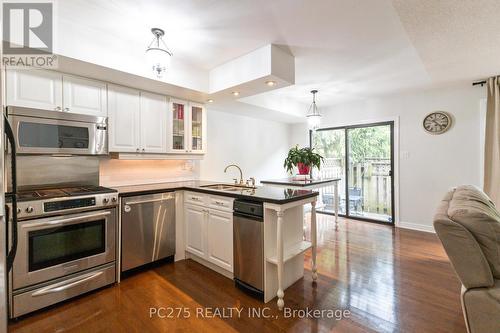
pixel 313 115
pixel 158 54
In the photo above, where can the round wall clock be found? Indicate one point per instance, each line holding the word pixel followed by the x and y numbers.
pixel 437 122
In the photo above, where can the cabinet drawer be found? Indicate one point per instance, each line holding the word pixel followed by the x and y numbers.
pixel 221 203
pixel 195 198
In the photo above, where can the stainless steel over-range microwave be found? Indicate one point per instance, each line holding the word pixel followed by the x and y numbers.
pixel 54 132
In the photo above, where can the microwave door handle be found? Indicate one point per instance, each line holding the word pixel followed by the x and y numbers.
pixel 51 290
pixel 64 221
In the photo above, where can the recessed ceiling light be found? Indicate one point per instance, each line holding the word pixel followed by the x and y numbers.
pixel 235 93
pixel 210 100
pixel 271 83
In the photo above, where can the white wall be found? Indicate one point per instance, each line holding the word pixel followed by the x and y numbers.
pixel 258 146
pixel 113 172
pixel 433 163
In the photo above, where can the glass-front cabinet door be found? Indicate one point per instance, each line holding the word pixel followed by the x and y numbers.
pixel 178 140
pixel 197 128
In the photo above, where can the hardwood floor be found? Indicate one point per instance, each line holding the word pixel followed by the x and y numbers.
pixel 391 280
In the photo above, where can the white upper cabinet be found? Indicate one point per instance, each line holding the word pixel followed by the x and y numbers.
pixel 153 122
pixel 84 96
pixel 198 128
pixel 178 127
pixel 124 105
pixel 32 88
pixel 187 131
pixel 53 91
pixel 137 121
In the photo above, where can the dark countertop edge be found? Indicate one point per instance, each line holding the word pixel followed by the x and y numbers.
pixel 215 192
pixel 293 182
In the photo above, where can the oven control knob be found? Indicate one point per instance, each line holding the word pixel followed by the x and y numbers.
pixel 29 209
pixel 19 210
pixel 105 200
pixel 113 199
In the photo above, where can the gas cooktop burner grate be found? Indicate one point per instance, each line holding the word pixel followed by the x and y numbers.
pixel 47 193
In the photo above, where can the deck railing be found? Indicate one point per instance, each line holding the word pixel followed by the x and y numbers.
pixel 369 185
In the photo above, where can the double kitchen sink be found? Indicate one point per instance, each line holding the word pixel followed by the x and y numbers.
pixel 229 187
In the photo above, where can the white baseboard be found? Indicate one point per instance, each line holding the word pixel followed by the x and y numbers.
pixel 416 226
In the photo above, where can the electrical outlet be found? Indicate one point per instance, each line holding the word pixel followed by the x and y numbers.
pixel 187 165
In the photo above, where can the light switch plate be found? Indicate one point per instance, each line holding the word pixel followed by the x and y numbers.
pixel 405 155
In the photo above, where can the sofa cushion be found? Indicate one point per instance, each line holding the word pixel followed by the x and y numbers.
pixel 473 209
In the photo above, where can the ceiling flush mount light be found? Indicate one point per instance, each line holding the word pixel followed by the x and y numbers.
pixel 313 115
pixel 271 83
pixel 158 53
pixel 235 93
pixel 210 100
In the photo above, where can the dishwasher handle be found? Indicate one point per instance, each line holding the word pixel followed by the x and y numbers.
pixel 248 216
pixel 138 202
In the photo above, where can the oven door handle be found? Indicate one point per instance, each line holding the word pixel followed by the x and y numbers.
pixel 65 221
pixel 56 289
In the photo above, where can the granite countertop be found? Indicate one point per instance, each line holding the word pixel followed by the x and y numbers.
pixel 268 194
pixel 300 182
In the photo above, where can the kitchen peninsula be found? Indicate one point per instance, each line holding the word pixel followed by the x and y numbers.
pixel 311 184
pixel 209 243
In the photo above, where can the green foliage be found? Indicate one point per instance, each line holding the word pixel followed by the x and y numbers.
pixel 364 143
pixel 305 155
pixel 369 142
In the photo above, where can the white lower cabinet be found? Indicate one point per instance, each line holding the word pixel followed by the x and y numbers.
pixel 195 223
pixel 220 238
pixel 209 231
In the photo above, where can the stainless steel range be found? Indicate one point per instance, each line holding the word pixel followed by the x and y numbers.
pixel 65 245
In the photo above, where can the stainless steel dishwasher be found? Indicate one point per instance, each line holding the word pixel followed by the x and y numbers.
pixel 148 229
pixel 248 243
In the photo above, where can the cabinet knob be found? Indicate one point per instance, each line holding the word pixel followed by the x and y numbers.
pixel 143 150
pixel 137 150
pixel 66 109
pixel 57 108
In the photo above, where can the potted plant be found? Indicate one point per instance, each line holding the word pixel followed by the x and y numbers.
pixel 303 159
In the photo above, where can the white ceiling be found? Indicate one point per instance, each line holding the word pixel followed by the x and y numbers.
pixel 348 49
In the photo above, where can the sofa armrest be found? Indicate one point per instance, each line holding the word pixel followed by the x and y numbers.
pixel 465 254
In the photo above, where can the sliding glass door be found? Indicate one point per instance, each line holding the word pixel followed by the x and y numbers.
pixel 331 144
pixel 362 156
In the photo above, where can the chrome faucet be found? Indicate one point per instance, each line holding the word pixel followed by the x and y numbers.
pixel 241 173
pixel 251 182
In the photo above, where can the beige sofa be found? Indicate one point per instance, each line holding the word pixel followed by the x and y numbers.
pixel 468 225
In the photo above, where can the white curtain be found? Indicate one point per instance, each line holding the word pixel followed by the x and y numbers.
pixel 492 141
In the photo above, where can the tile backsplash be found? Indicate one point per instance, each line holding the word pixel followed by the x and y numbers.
pixel 114 172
